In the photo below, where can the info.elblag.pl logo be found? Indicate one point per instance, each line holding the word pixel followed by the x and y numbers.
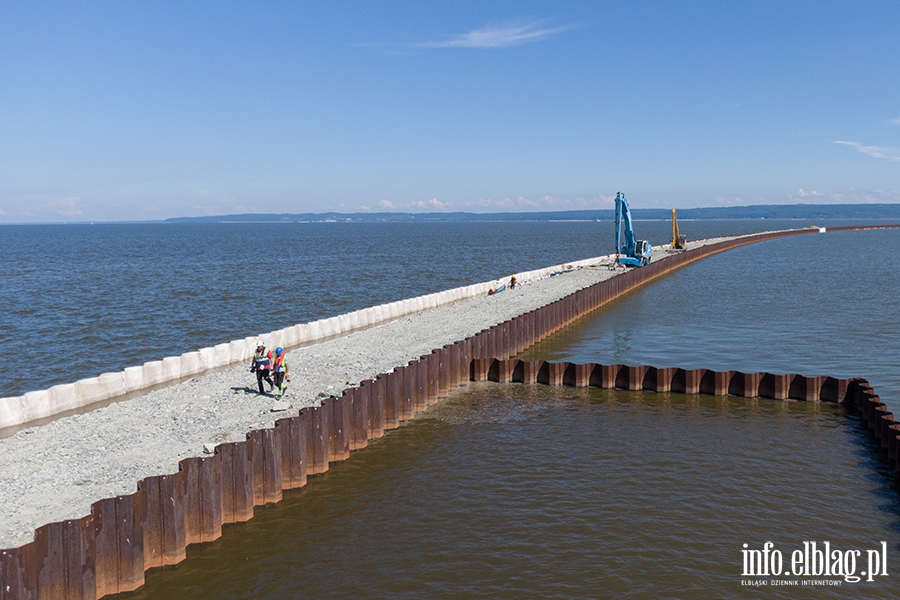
pixel 814 564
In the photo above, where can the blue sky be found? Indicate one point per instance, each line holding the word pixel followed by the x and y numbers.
pixel 133 111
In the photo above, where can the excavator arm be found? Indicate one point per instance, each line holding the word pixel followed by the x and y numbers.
pixel 678 241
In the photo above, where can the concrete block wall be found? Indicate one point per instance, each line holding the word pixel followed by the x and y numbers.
pixel 108 551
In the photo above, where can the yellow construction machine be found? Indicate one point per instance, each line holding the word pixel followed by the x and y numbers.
pixel 678 241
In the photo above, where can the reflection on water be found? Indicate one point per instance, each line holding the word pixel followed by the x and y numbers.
pixel 621 346
pixel 510 491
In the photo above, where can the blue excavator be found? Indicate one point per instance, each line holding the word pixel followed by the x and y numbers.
pixel 629 252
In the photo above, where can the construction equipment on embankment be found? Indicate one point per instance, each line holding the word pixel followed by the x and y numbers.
pixel 678 240
pixel 629 252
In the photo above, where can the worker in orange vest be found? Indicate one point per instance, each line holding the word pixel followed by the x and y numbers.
pixel 280 368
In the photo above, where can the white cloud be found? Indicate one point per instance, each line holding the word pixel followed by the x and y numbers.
pixel 610 200
pixel 433 203
pixel 385 204
pixel 895 121
pixel 497 36
pixel 542 203
pixel 2 212
pixel 803 194
pixel 68 207
pixel 885 152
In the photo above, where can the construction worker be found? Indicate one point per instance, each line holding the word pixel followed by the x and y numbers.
pixel 280 368
pixel 512 282
pixel 262 365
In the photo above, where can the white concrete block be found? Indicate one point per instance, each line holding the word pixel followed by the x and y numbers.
pixel 332 327
pixel 222 355
pixel 88 391
pixel 35 405
pixel 300 333
pixel 392 310
pixel 154 373
pixel 303 333
pixel 191 364
pixel 113 384
pixel 276 339
pixel 239 351
pixel 172 368
pixel 249 347
pixel 134 378
pixel 61 398
pixel 12 411
pixel 207 358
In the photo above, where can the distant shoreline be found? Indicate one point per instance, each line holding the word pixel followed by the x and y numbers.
pixel 786 212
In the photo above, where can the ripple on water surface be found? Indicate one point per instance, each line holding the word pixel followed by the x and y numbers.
pixel 510 491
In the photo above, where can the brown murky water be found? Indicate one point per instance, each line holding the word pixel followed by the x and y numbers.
pixel 512 491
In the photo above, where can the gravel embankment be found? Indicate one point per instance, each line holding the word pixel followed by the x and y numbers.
pixel 55 471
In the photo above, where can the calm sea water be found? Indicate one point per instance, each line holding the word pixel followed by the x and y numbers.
pixel 91 299
pixel 517 491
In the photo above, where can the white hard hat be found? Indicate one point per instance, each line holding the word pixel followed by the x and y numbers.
pixel 259 343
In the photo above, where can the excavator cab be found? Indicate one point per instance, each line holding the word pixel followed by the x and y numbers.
pixel 644 250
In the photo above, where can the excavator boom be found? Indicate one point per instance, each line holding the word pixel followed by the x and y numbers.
pixel 678 241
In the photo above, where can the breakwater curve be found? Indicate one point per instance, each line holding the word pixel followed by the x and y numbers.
pixel 355 417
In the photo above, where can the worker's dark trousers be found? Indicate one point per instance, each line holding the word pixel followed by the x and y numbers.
pixel 279 379
pixel 262 374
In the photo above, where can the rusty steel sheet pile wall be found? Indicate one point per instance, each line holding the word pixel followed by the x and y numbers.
pixel 854 393
pixel 108 551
